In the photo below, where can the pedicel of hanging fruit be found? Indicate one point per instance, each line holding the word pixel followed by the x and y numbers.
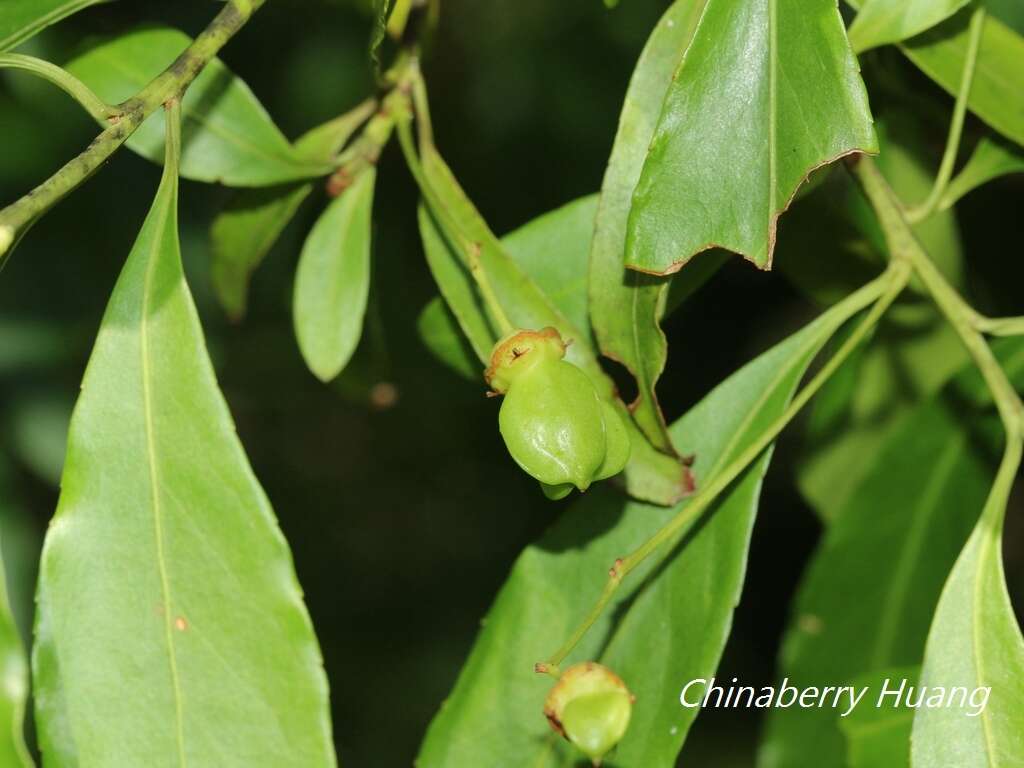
pixel 555 425
pixel 590 706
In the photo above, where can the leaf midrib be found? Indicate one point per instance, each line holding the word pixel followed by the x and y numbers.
pixel 147 397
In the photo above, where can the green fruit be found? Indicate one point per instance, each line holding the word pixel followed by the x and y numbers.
pixel 590 706
pixel 554 423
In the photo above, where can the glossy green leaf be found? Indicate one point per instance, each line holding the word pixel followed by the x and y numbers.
pixel 170 626
pixel 626 306
pixel 227 135
pixel 650 475
pixel 975 643
pixel 767 92
pixel 248 226
pixel 867 598
pixel 332 283
pixel 440 331
pixel 889 21
pixel 997 91
pixel 991 159
pixel 22 19
pixel 879 737
pixel 494 716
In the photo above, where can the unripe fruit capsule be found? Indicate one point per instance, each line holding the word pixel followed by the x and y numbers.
pixel 554 423
pixel 590 706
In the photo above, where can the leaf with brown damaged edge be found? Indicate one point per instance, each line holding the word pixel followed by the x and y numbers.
pixel 625 307
pixel 767 92
pixel 650 475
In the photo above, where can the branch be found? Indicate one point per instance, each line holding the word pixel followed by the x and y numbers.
pixel 171 84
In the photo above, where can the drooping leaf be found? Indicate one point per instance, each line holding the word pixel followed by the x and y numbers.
pixel 991 159
pixel 227 136
pixel 332 283
pixel 879 736
pixel 22 19
pixel 767 92
pixel 997 91
pixel 975 643
pixel 889 21
pixel 494 716
pixel 867 598
pixel 170 626
pixel 246 229
pixel 649 475
pixel 625 307
pixel 243 233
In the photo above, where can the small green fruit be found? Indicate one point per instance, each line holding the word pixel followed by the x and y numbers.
pixel 554 423
pixel 590 706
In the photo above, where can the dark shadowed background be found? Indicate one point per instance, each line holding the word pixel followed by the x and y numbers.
pixel 404 521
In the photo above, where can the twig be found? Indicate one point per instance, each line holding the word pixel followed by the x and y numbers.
pixel 16 218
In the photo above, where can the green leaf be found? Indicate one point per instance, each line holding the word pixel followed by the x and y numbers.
pixel 170 627
pixel 625 307
pixel 975 642
pixel 440 331
pixel 997 91
pixel 767 92
pixel 867 597
pixel 227 136
pixel 553 249
pixel 246 229
pixel 889 21
pixel 650 475
pixel 243 233
pixel 991 159
pixel 22 19
pixel 494 716
pixel 332 283
pixel 879 737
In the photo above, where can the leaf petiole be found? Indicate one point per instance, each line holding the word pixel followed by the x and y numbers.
pixel 64 80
